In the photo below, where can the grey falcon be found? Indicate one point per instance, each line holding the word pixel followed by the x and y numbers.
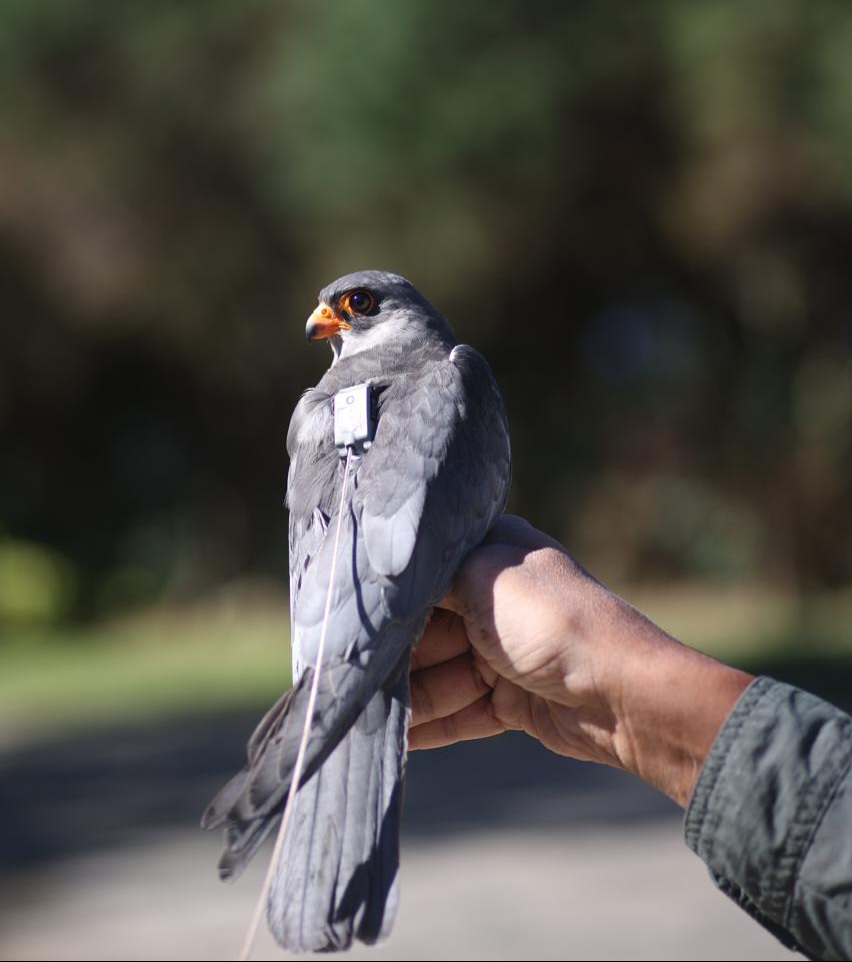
pixel 419 499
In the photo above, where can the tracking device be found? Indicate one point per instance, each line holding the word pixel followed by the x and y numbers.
pixel 354 418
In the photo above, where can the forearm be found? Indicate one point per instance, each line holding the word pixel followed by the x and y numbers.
pixel 669 703
pixel 648 704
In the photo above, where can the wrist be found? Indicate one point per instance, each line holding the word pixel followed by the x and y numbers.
pixel 668 703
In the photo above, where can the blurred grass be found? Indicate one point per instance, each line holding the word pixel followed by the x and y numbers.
pixel 232 653
pixel 749 621
pixel 803 640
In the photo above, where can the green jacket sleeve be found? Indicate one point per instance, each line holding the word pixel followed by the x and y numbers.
pixel 771 816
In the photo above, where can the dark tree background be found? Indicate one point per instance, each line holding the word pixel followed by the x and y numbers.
pixel 641 213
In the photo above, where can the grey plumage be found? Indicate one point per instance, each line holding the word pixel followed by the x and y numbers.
pixel 422 496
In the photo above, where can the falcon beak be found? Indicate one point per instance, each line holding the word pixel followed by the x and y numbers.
pixel 325 322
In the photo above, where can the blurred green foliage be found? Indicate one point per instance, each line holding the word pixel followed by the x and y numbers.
pixel 641 213
pixel 36 584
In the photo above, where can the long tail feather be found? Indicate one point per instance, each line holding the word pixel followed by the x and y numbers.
pixel 337 877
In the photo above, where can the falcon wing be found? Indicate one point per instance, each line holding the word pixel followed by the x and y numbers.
pixel 435 479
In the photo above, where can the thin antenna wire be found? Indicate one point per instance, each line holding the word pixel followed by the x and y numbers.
pixel 300 755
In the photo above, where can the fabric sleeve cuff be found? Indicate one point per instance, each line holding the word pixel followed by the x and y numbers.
pixel 762 793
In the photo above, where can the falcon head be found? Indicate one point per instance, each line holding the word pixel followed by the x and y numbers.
pixel 370 309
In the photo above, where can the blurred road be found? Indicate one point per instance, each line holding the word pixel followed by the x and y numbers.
pixel 509 853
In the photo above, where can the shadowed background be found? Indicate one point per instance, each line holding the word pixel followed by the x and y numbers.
pixel 642 216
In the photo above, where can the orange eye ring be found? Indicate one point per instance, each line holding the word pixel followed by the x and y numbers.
pixel 358 302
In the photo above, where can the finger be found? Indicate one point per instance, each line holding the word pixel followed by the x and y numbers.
pixel 443 639
pixel 445 689
pixel 475 721
pixel 488 674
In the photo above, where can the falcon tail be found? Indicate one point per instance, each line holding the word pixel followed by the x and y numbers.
pixel 336 880
pixel 250 806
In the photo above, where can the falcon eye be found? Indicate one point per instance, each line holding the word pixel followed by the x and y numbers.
pixel 358 302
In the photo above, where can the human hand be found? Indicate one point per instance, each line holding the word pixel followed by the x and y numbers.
pixel 528 640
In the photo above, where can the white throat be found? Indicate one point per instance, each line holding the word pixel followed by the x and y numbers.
pixel 345 345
